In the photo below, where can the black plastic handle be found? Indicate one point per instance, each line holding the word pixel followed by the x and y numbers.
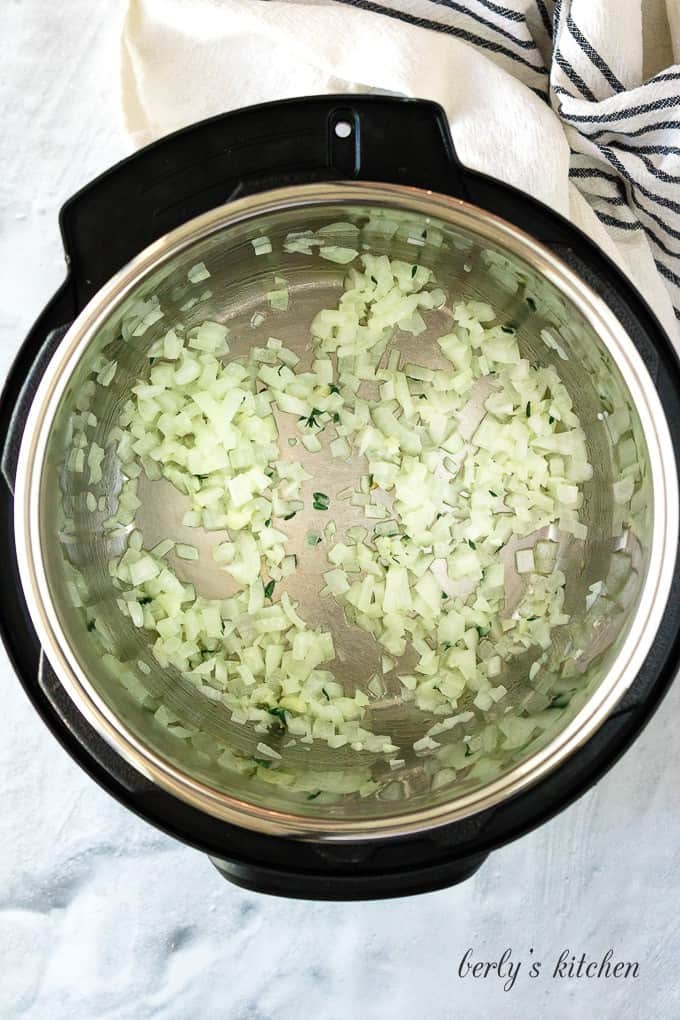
pixel 371 138
pixel 25 379
pixel 377 885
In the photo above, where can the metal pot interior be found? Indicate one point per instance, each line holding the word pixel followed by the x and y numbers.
pixel 589 663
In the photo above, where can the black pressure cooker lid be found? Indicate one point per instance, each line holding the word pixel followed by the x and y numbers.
pixel 162 186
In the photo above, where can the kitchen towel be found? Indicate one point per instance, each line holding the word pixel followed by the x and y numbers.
pixel 570 100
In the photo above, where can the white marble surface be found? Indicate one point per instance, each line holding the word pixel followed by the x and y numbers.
pixel 102 916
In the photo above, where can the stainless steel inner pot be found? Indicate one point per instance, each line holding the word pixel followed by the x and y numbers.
pixel 594 658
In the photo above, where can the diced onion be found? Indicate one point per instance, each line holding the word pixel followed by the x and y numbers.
pixel 446 499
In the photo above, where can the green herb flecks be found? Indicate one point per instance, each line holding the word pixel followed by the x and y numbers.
pixel 311 422
pixel 279 725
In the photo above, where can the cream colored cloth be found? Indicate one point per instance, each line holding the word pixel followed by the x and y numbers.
pixel 183 60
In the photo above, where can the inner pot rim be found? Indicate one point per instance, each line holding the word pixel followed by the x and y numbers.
pixel 455 213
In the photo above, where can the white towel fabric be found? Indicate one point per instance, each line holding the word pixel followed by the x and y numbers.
pixel 549 96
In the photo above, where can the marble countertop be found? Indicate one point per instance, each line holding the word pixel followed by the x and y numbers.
pixel 103 916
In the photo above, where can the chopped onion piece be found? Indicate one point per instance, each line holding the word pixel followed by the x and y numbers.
pixel 524 559
pixel 335 253
pixel 261 245
pixel 186 552
pixel 197 273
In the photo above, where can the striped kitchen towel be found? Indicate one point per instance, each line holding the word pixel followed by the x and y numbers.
pixel 575 101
